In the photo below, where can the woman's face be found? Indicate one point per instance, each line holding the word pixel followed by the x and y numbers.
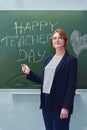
pixel 58 41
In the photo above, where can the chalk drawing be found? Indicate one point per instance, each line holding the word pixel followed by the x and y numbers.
pixel 79 43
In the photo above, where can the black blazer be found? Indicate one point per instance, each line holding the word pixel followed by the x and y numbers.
pixel 63 86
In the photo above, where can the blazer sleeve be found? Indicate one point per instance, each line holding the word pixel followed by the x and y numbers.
pixel 34 77
pixel 72 78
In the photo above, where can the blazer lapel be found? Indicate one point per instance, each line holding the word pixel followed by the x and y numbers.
pixel 61 62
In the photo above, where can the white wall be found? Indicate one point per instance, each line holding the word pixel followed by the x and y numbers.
pixel 19 109
pixel 43 4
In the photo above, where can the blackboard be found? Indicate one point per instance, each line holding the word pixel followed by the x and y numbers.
pixel 25 38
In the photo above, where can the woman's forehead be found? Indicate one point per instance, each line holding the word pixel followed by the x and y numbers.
pixel 56 34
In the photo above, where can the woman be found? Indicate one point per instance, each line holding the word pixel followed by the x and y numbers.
pixel 58 84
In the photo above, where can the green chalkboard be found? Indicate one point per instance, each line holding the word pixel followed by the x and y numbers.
pixel 25 38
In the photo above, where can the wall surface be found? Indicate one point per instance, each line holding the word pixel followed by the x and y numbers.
pixel 43 5
pixel 19 109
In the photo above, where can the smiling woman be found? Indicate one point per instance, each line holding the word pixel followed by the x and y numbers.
pixel 58 37
pixel 58 84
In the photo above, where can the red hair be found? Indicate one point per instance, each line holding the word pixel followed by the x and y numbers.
pixel 61 33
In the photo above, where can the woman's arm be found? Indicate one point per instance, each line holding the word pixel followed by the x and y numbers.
pixel 31 75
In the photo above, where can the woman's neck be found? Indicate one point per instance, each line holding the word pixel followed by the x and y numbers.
pixel 60 52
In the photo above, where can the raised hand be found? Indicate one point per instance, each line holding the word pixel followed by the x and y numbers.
pixel 25 69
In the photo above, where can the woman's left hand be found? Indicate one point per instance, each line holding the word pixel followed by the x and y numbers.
pixel 64 113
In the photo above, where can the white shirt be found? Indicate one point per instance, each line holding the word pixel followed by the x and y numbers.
pixel 49 73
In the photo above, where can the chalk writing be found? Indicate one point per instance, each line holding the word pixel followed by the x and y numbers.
pixel 31 55
pixel 25 40
pixel 30 46
pixel 32 26
pixel 79 43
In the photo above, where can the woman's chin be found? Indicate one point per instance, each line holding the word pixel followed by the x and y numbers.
pixel 57 47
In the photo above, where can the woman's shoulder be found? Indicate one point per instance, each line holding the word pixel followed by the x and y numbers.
pixel 71 57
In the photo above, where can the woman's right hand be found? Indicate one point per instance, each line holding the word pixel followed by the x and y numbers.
pixel 25 69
